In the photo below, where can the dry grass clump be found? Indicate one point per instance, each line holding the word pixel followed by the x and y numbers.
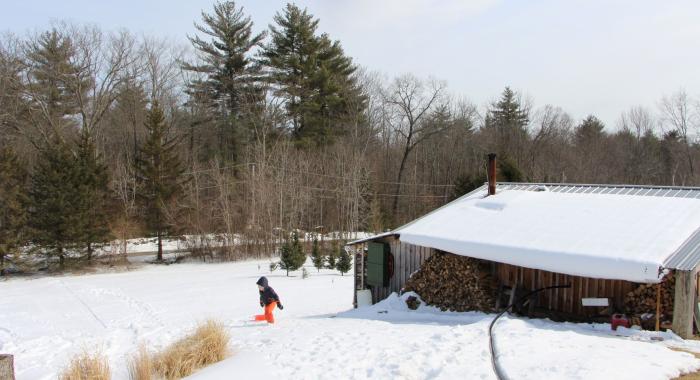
pixel 208 344
pixel 141 365
pixel 87 366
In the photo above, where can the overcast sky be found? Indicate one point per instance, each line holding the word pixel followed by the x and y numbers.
pixel 586 56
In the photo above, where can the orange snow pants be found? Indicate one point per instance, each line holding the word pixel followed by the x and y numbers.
pixel 268 313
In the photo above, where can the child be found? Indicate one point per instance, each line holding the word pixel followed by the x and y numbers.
pixel 268 299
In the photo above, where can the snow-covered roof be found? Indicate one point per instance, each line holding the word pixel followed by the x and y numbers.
pixel 613 232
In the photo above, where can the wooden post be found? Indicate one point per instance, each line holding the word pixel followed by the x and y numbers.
pixel 7 368
pixel 658 305
pixel 684 303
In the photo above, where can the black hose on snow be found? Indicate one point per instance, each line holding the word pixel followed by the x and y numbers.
pixel 492 346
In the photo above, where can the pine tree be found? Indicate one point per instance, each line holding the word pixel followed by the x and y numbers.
pixel 466 183
pixel 344 261
pixel 53 87
pixel 92 184
pixel 159 175
pixel 506 122
pixel 591 130
pixel 13 203
pixel 508 171
pixel 54 218
pixel 312 74
pixel 231 84
pixel 292 256
pixel 316 255
pixel 332 258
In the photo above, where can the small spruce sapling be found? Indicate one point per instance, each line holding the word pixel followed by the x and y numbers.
pixel 292 255
pixel 332 258
pixel 316 255
pixel 344 261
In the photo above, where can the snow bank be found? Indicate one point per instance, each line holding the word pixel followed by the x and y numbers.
pixel 593 235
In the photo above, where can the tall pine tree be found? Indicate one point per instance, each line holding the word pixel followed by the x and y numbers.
pixel 53 96
pixel 54 218
pixel 13 203
pixel 231 83
pixel 506 124
pixel 92 185
pixel 160 177
pixel 312 74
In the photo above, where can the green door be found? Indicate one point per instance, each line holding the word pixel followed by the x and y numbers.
pixel 377 264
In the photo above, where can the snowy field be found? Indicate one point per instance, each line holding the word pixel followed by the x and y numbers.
pixel 44 321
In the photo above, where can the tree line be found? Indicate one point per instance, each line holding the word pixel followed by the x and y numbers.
pixel 251 133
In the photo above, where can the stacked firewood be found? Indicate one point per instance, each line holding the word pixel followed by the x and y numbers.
pixel 453 282
pixel 642 300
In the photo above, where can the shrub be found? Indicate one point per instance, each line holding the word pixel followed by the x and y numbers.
pixel 344 263
pixel 207 345
pixel 87 366
pixel 292 255
pixel 316 255
pixel 141 365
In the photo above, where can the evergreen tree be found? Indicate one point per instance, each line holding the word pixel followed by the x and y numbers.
pixel 92 185
pixel 292 256
pixel 13 202
pixel 506 123
pixel 467 183
pixel 159 175
pixel 53 85
pixel 231 84
pixel 591 130
pixel 332 258
pixel 508 171
pixel 312 74
pixel 316 256
pixel 344 260
pixel 54 217
pixel 589 144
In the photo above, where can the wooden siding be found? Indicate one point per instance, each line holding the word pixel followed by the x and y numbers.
pixel 408 258
pixel 564 300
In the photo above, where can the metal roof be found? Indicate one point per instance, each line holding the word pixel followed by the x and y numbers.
pixel 686 257
pixel 371 238
pixel 639 190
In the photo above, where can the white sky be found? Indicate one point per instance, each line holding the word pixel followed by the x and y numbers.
pixel 586 56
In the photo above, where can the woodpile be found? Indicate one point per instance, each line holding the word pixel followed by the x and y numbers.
pixel 642 300
pixel 453 282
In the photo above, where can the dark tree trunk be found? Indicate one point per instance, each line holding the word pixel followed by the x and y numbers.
pixel 399 177
pixel 160 247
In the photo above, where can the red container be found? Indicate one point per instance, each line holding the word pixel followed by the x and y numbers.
pixel 619 320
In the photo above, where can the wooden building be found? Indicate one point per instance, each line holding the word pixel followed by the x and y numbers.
pixel 604 240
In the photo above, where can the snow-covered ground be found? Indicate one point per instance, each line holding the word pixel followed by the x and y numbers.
pixel 46 320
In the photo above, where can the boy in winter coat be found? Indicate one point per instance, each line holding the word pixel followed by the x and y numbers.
pixel 268 299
